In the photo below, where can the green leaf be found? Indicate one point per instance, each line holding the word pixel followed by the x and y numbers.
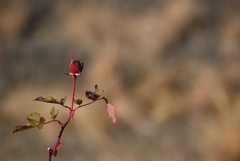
pixel 94 95
pixel 34 120
pixel 78 101
pixel 50 100
pixel 53 114
pixel 97 91
pixel 34 117
pixel 40 126
pixel 24 127
pixel 62 101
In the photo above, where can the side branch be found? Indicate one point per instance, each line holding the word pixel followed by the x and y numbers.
pixel 89 103
pixel 59 122
pixel 84 105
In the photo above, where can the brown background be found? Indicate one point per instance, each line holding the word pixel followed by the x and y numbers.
pixel 171 68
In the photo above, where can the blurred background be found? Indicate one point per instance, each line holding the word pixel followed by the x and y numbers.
pixel 170 67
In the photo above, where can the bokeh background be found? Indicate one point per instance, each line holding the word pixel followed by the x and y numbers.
pixel 171 68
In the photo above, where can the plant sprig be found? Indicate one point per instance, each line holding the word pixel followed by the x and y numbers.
pixel 35 120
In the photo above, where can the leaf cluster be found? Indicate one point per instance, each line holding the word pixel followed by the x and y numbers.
pixel 34 120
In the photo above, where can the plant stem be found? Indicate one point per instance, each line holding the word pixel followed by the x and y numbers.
pixel 74 82
pixel 89 103
pixel 51 152
pixel 84 105
pixel 59 122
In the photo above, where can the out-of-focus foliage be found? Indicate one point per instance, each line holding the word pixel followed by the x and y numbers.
pixel 170 67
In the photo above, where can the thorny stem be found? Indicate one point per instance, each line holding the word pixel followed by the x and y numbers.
pixel 53 151
pixel 50 151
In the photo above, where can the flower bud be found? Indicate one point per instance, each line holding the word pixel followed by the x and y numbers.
pixel 75 67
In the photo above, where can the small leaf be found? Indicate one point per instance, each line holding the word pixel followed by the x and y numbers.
pixel 40 126
pixel 42 120
pixel 90 95
pixel 24 127
pixel 62 101
pixel 50 100
pixel 78 101
pixel 53 114
pixel 97 91
pixel 94 95
pixel 34 117
pixel 55 151
pixel 111 112
pixel 59 145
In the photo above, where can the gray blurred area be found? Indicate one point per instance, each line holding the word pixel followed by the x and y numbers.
pixel 170 67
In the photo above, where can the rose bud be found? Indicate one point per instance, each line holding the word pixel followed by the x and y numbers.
pixel 75 67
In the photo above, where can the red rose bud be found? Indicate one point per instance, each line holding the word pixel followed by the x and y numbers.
pixel 75 67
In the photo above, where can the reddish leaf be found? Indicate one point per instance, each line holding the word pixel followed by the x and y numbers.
pixel 42 120
pixel 94 95
pixel 59 145
pixel 41 123
pixel 54 152
pixel 111 112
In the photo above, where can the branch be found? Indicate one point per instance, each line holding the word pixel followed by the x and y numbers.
pixel 66 107
pixel 59 122
pixel 84 105
pixel 51 152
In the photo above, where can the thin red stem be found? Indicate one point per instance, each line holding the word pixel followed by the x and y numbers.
pixel 74 82
pixel 59 122
pixel 63 126
pixel 84 105
pixel 88 103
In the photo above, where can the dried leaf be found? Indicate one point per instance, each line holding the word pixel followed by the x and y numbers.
pixel 111 112
pixel 59 145
pixel 50 100
pixel 24 127
pixel 42 120
pixel 94 95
